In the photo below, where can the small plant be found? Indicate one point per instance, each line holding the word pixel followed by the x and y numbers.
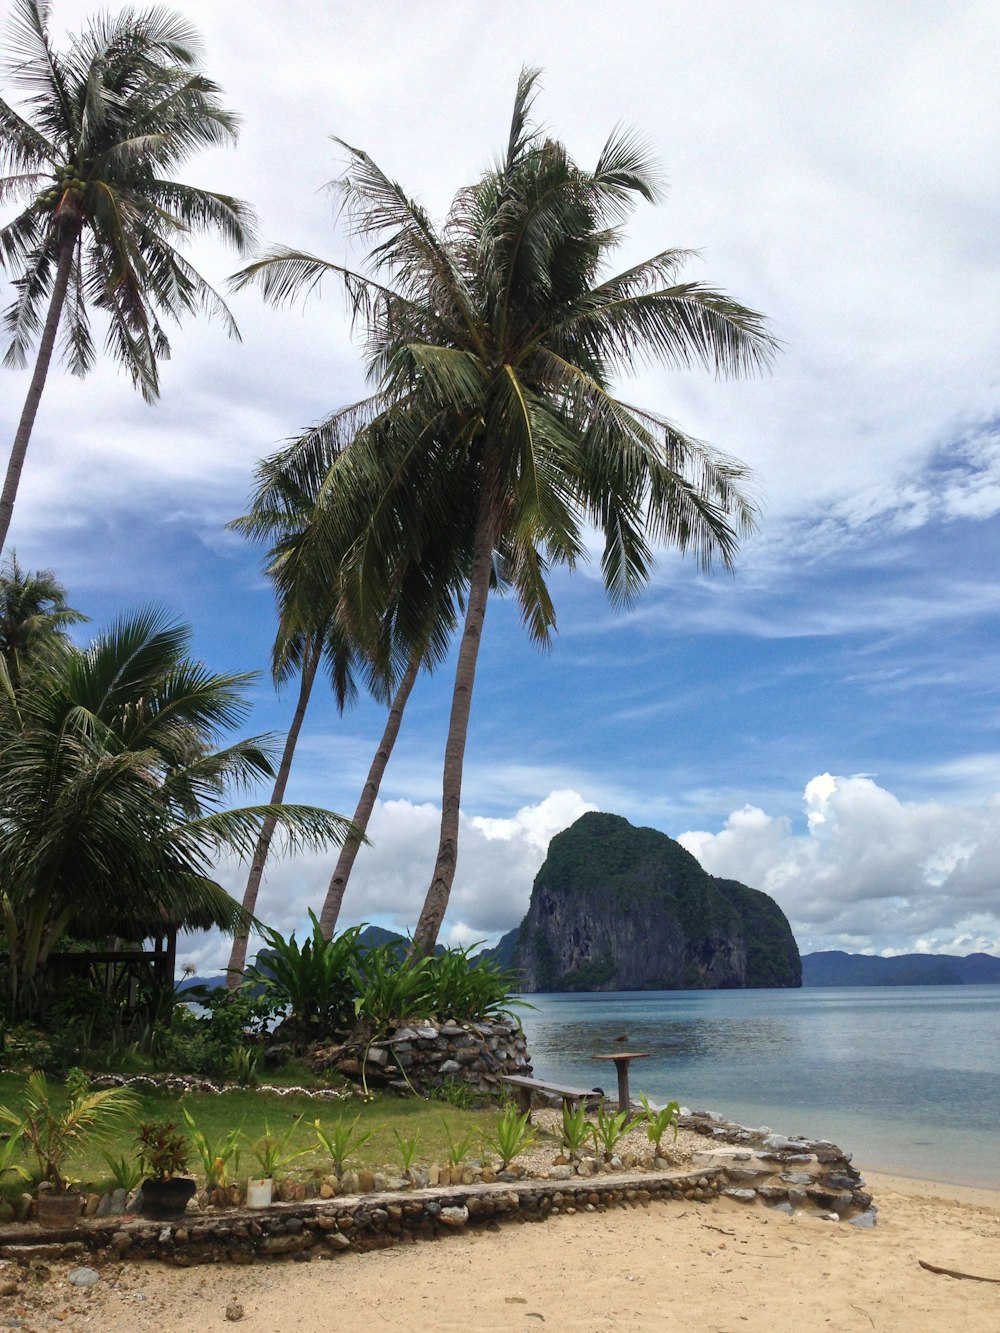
pixel 163 1150
pixel 342 1140
pixel 215 1156
pixel 511 1136
pixel 243 1064
pixel 126 1171
pixel 271 1150
pixel 455 1093
pixel 658 1122
pixel 576 1128
pixel 609 1129
pixel 458 1149
pixel 51 1135
pixel 407 1150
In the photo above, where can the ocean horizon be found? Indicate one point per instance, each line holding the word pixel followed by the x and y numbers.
pixel 907 1079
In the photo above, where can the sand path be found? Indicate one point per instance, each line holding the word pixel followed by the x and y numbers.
pixel 669 1266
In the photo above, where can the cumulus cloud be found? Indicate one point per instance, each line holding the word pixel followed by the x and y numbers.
pixel 498 861
pixel 870 871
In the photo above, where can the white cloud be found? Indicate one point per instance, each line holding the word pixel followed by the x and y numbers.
pixel 871 871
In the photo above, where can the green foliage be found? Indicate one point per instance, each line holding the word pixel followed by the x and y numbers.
pixel 126 1171
pixel 342 1140
pixel 510 1136
pixel 163 1149
pixel 576 1129
pixel 458 1148
pixel 389 988
pixel 311 983
pixel 470 989
pixel 216 1152
pixel 456 1093
pixel 407 1149
pixel 658 1122
pixel 271 1150
pixel 243 1065
pixel 608 1129
pixel 51 1133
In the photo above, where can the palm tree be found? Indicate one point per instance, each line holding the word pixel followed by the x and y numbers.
pixel 33 611
pixel 312 625
pixel 494 342
pixel 106 124
pixel 113 790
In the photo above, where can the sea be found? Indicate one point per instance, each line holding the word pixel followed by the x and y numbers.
pixel 907 1079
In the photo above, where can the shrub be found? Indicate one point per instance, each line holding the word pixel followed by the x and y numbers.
pixel 511 1136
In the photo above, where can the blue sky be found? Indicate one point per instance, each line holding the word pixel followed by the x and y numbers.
pixel 823 724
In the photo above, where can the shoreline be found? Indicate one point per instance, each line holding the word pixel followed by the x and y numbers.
pixel 718 1267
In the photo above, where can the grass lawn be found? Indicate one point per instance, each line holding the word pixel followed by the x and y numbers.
pixel 256 1112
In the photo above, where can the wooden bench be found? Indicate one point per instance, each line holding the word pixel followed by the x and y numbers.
pixel 524 1087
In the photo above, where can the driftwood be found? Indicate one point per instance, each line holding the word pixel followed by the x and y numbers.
pixel 953 1272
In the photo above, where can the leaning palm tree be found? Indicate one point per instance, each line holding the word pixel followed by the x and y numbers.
pixel 313 625
pixel 113 793
pixel 105 125
pixel 494 342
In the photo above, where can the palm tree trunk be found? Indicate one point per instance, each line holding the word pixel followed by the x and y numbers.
pixel 42 363
pixel 366 803
pixel 436 901
pixel 238 956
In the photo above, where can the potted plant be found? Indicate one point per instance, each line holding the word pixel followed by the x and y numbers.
pixel 272 1154
pixel 50 1132
pixel 163 1156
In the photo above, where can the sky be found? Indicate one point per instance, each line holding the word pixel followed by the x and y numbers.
pixel 821 724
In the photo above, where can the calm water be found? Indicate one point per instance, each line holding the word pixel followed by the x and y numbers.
pixel 906 1078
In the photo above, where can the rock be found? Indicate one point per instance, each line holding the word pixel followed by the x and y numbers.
pixel 560 1172
pixel 366 1182
pixel 742 1195
pixel 337 1240
pixel 454 1217
pixel 865 1220
pixel 84 1277
pixel 234 1311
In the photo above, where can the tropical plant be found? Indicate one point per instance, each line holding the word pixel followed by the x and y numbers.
pixel 609 1129
pixel 272 1152
pixel 341 1140
pixel 311 983
pixel 493 343
pixel 110 793
pixel 471 989
pixel 52 1128
pixel 216 1153
pixel 576 1129
pixel 511 1136
pixel 33 612
pixel 458 1149
pixel 163 1149
pixel 105 124
pixel 659 1120
pixel 126 1171
pixel 407 1149
pixel 389 987
pixel 243 1065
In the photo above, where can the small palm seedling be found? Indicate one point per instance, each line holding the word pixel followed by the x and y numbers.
pixel 216 1154
pixel 126 1172
pixel 242 1065
pixel 609 1129
pixel 407 1150
pixel 271 1150
pixel 342 1140
pixel 659 1121
pixel 576 1128
pixel 458 1149
pixel 511 1136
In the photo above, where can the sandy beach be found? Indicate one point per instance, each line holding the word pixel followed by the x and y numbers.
pixel 726 1266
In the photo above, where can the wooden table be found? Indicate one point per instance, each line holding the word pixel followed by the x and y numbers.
pixel 622 1061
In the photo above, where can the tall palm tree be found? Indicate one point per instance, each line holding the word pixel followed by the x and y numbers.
pixel 113 792
pixel 494 342
pixel 106 124
pixel 313 615
pixel 33 611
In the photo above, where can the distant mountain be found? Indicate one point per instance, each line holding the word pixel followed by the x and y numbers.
pixel 835 968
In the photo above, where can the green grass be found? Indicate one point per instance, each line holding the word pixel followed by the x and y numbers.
pixel 255 1110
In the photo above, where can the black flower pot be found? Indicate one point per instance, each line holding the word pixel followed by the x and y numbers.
pixel 166 1200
